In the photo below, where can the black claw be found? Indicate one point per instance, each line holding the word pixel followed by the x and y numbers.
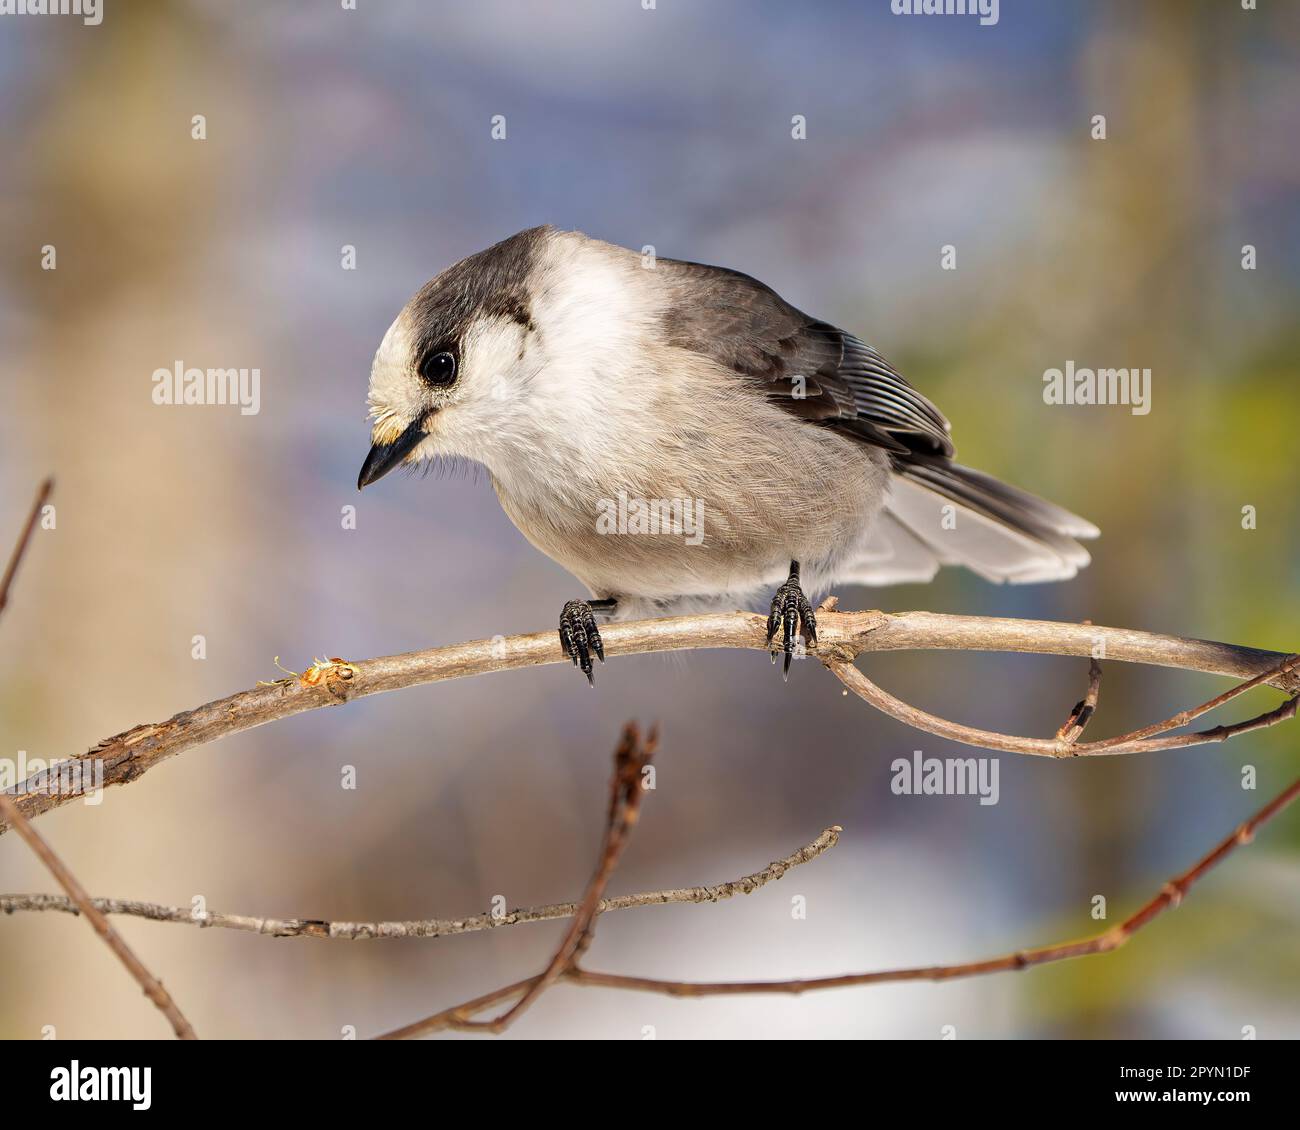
pixel 580 637
pixel 793 616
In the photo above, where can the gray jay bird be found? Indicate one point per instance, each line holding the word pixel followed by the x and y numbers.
pixel 679 437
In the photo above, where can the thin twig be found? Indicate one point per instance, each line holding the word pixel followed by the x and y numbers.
pixel 460 1017
pixel 24 539
pixel 625 793
pixel 842 636
pixel 1170 895
pixel 1085 708
pixel 1285 668
pixel 425 927
pixel 10 811
pixel 152 987
pixel 1136 742
pixel 626 789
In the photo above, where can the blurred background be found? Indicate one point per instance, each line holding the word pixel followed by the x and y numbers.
pixel 328 128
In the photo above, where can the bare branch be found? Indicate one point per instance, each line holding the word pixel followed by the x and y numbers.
pixel 565 967
pixel 1136 742
pixel 24 539
pixel 1085 708
pixel 11 812
pixel 625 792
pixel 842 637
pixel 151 986
pixel 1170 895
pixel 425 927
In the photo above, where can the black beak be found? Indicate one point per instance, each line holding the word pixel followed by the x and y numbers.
pixel 384 457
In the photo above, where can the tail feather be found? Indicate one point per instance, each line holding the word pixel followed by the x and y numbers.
pixel 940 513
pixel 986 491
pixel 893 555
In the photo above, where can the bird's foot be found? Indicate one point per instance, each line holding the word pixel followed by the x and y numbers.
pixel 793 616
pixel 580 637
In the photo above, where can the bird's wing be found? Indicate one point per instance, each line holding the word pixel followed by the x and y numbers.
pixel 936 512
pixel 808 367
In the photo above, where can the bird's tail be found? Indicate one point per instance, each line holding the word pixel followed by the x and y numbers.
pixel 940 513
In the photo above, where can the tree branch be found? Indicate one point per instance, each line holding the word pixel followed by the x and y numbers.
pixel 1085 708
pixel 24 539
pixel 564 966
pixel 625 792
pixel 1170 895
pixel 842 637
pixel 425 927
pixel 9 809
pixel 1139 741
pixel 148 983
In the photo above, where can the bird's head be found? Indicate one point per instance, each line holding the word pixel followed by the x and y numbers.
pixel 448 375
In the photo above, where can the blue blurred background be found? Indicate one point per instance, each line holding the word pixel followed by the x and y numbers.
pixel 671 127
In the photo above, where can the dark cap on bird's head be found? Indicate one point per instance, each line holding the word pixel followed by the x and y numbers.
pixel 422 361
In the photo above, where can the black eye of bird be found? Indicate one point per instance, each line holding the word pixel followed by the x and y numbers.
pixel 438 369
